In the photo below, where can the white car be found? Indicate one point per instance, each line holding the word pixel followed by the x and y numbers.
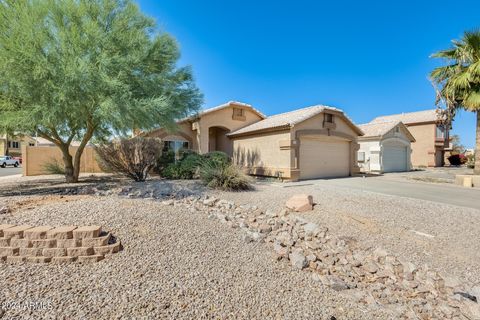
pixel 8 161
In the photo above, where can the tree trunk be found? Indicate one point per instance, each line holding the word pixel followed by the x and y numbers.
pixel 68 164
pixel 476 170
pixel 78 155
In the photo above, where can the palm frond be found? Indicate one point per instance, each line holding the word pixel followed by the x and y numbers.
pixel 445 54
pixel 457 84
pixel 460 81
pixel 441 74
pixel 472 101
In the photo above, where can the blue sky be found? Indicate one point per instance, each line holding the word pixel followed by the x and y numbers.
pixel 368 58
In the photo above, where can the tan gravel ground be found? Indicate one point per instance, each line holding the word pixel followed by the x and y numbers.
pixel 182 265
pixel 444 237
pixel 175 265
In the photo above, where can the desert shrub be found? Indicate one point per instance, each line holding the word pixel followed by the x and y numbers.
pixel 185 168
pixel 217 157
pixel 224 176
pixel 166 158
pixel 457 159
pixel 53 166
pixel 133 158
pixel 471 161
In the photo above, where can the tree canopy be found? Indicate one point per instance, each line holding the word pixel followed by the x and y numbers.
pixel 458 82
pixel 83 69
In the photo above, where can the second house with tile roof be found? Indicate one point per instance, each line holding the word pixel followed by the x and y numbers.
pixel 385 147
pixel 430 133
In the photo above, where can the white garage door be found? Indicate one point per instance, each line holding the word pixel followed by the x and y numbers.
pixel 324 157
pixel 394 158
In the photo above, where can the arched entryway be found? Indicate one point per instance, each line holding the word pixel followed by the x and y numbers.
pixel 218 140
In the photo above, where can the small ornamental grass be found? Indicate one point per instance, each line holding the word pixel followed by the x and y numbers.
pixel 227 177
pixel 53 166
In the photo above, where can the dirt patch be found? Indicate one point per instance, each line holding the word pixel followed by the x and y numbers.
pixel 365 223
pixel 35 202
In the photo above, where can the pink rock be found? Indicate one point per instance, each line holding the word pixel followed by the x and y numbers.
pixel 300 203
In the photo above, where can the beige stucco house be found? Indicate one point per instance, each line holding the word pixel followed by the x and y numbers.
pixel 385 147
pixel 431 136
pixel 12 145
pixel 313 142
pixel 207 131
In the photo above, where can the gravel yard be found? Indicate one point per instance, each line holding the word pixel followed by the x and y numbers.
pixel 175 265
pixel 446 237
pixel 179 264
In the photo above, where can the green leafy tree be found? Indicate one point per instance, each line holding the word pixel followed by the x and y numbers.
pixel 86 69
pixel 458 83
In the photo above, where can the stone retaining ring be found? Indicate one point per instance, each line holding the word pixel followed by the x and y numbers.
pixel 64 244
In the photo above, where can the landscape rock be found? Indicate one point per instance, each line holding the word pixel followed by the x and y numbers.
pixel 298 259
pixel 300 203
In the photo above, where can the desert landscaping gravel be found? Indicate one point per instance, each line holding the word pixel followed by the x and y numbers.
pixel 179 264
pixel 442 236
pixel 175 265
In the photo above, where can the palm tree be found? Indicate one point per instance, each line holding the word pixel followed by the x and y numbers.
pixel 458 83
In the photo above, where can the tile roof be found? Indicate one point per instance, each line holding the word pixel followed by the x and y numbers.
pixel 377 129
pixel 286 119
pixel 372 130
pixel 222 106
pixel 410 117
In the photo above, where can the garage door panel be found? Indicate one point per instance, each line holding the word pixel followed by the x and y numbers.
pixel 394 159
pixel 324 158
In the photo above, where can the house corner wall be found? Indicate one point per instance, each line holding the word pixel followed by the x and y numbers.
pixel 423 149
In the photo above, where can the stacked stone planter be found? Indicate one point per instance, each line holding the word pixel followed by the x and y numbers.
pixel 64 244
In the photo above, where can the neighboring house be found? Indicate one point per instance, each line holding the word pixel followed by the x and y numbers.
pixel 385 147
pixel 12 145
pixel 431 136
pixel 314 142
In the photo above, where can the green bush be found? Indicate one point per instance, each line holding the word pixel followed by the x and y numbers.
pixel 185 168
pixel 226 177
pixel 165 159
pixel 471 161
pixel 217 157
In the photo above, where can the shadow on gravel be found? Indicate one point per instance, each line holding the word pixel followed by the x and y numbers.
pixel 58 186
pixel 155 187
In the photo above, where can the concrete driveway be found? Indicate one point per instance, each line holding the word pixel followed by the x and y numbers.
pixel 436 192
pixel 10 171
